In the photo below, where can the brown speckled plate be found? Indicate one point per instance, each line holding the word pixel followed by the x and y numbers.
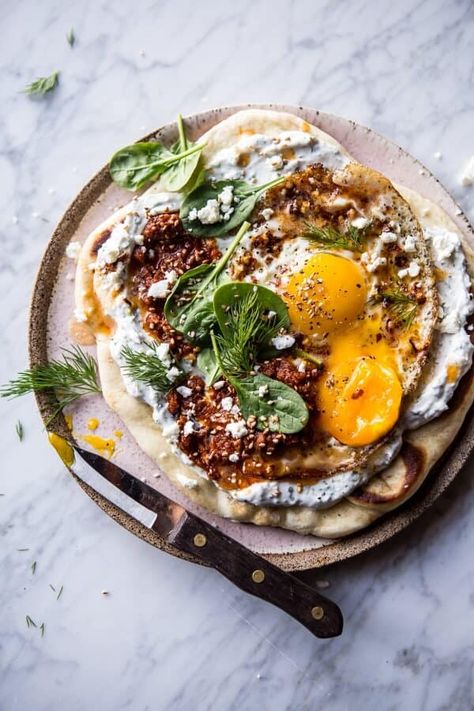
pixel 53 303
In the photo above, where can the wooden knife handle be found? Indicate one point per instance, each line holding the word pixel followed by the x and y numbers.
pixel 256 576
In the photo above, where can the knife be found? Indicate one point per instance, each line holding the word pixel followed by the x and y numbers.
pixel 187 532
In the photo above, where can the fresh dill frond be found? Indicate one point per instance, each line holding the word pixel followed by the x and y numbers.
pixel 148 368
pixel 42 85
pixel 42 628
pixel 353 239
pixel 19 430
pixel 248 330
pixel 71 38
pixel 30 622
pixel 70 378
pixel 33 567
pixel 60 592
pixel 401 306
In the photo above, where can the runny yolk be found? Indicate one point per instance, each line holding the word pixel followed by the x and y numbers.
pixel 104 446
pixel 93 424
pixel 327 293
pixel 360 401
pixel 359 397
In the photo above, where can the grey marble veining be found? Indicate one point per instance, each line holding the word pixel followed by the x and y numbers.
pixel 171 635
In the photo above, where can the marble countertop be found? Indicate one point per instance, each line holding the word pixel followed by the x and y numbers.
pixel 170 635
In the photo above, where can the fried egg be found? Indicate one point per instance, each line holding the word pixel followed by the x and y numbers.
pixel 364 307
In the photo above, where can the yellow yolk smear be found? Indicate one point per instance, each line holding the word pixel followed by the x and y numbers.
pixel 329 292
pixel 359 398
pixel 62 447
pixel 93 424
pixel 101 445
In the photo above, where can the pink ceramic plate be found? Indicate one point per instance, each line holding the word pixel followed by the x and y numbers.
pixel 53 304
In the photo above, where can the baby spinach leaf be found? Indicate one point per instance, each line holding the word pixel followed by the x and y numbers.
pixel 179 174
pixel 245 197
pixel 134 166
pixel 273 403
pixel 270 307
pixel 189 308
pixel 206 361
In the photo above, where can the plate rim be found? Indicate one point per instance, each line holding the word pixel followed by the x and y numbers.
pixel 390 524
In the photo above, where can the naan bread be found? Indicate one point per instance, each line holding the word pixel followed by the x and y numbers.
pixel 420 450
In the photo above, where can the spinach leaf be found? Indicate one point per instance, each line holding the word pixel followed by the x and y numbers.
pixel 189 308
pixel 264 301
pixel 245 197
pixel 179 174
pixel 206 361
pixel 134 166
pixel 274 404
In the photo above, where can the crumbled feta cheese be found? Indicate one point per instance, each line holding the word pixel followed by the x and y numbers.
pixel 234 457
pixel 388 237
pixel 444 244
pixel 267 212
pixel 73 250
pixel 139 239
pixel 263 390
pixel 188 428
pixel 184 391
pixel 467 176
pixel 173 373
pixel 117 244
pixel 226 403
pixel 360 222
pixel 282 342
pixel 301 367
pixel 237 429
pixel 226 197
pixel 373 265
pixel 161 289
pixel 271 314
pixel 219 385
pixel 413 270
pixel 409 244
pixel 208 215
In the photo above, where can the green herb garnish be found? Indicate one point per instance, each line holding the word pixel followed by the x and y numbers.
pixel 60 592
pixel 42 628
pixel 180 174
pixel 244 195
pixel 401 306
pixel 71 378
pixel 275 405
pixel 134 166
pixel 189 308
pixel 30 622
pixel 33 567
pixel 71 38
pixel 352 239
pixel 42 85
pixel 19 430
pixel 147 368
pixel 207 363
pixel 249 316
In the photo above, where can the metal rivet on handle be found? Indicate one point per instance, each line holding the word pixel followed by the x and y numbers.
pixel 317 613
pixel 200 540
pixel 258 576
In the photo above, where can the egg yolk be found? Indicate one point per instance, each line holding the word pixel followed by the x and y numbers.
pixel 327 293
pixel 360 401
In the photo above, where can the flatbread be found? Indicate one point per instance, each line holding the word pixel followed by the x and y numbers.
pixel 420 450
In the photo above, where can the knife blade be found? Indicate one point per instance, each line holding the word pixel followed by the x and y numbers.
pixel 187 532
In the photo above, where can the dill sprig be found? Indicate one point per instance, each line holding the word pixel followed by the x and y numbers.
pixel 352 239
pixel 70 378
pixel 42 85
pixel 147 368
pixel 19 430
pixel 401 306
pixel 30 622
pixel 248 331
